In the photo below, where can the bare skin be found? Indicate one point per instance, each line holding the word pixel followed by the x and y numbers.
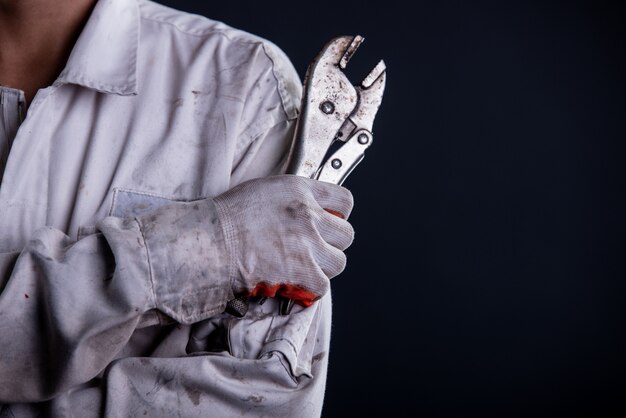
pixel 36 38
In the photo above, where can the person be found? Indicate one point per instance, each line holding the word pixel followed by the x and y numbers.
pixel 142 188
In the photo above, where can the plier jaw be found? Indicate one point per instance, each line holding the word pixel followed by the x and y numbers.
pixel 335 110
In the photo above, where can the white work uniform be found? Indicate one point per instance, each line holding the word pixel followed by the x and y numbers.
pixel 112 293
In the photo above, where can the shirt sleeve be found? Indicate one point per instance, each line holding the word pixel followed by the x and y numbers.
pixel 269 118
pixel 254 377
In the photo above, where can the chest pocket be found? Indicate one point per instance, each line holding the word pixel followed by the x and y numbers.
pixel 128 204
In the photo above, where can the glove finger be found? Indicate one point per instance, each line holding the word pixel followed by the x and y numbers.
pixel 333 198
pixel 331 261
pixel 335 231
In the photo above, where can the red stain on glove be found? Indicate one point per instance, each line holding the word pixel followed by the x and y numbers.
pixel 299 295
pixel 334 212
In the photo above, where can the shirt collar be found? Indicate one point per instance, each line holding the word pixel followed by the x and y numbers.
pixel 104 57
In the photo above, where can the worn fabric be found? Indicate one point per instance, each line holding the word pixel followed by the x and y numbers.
pixel 156 112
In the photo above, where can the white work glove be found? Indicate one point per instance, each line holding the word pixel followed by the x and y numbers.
pixel 285 236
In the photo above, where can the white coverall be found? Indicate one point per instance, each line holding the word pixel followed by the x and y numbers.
pixel 154 106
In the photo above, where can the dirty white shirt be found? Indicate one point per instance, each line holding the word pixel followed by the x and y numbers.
pixel 108 306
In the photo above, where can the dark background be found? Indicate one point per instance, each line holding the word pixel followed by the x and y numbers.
pixel 487 277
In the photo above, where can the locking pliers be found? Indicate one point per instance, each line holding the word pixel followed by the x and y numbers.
pixel 334 127
pixel 334 111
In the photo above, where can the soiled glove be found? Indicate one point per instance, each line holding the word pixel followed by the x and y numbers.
pixel 285 236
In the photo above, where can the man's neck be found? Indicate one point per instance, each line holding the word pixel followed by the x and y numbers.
pixel 36 38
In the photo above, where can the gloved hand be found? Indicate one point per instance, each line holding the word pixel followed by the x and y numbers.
pixel 285 236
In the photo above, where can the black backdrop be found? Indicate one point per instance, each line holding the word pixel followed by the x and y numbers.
pixel 487 277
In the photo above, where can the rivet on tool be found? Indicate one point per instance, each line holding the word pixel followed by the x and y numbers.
pixel 327 107
pixel 336 163
pixel 363 139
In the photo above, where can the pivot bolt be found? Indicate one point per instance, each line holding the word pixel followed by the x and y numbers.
pixel 327 107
